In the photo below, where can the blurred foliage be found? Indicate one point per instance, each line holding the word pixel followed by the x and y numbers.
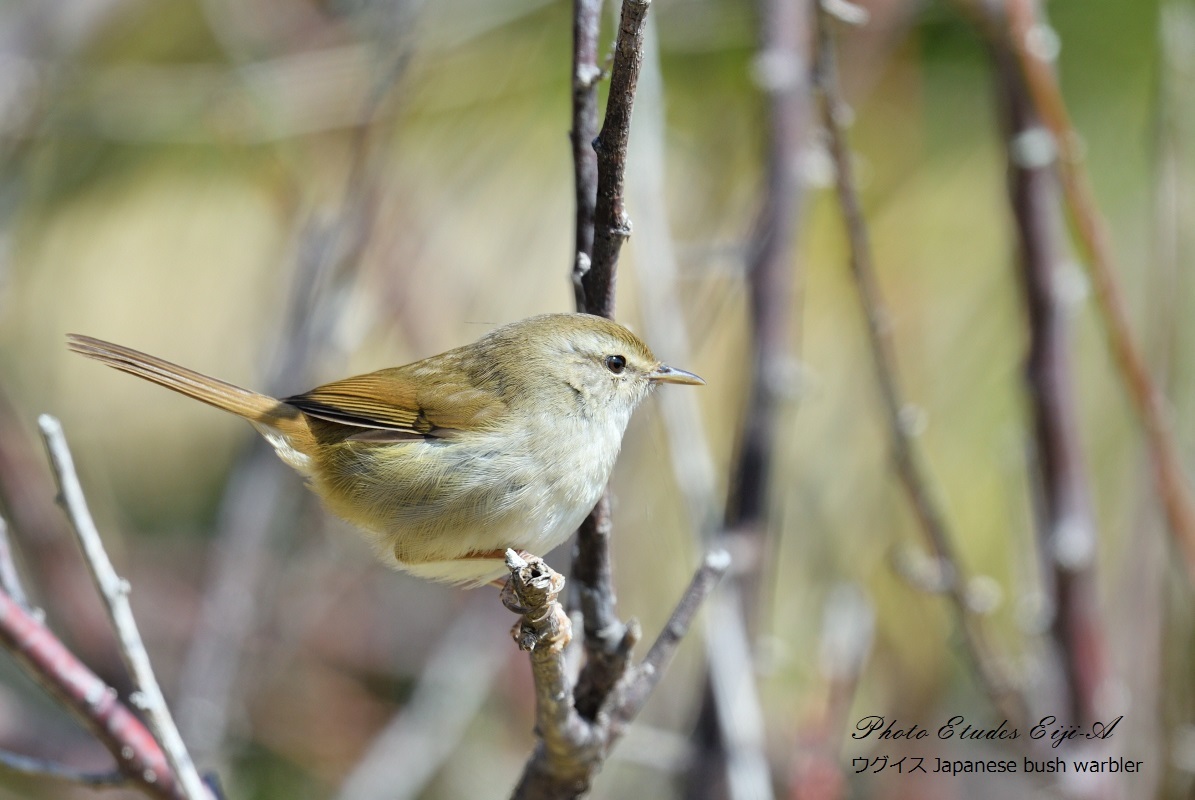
pixel 160 162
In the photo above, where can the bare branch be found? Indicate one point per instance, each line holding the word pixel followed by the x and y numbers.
pixel 911 471
pixel 1030 34
pixel 574 737
pixel 612 226
pixel 40 653
pixel 608 640
pixel 1066 528
pixel 587 16
pixel 115 592
pixel 631 696
pixel 571 748
pixel 599 175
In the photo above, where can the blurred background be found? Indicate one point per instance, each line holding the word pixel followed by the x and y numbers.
pixel 285 192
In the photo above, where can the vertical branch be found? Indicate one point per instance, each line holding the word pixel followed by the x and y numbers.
pixel 600 178
pixel 910 470
pixel 1066 530
pixel 587 17
pixel 781 69
pixel 1028 32
pixel 608 640
pixel 612 226
pixel 115 592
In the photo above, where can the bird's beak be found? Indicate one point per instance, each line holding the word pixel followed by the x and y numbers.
pixel 667 374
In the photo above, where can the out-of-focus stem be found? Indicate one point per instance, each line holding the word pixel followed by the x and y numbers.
pixel 910 469
pixel 1030 36
pixel 1066 529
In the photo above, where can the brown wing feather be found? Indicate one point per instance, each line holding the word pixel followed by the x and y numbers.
pixel 401 400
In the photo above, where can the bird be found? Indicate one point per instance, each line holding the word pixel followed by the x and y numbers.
pixel 445 463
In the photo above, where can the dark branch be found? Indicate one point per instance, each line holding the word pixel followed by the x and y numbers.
pixel 612 226
pixel 608 640
pixel 587 16
pixel 1094 237
pixel 1066 528
pixel 599 171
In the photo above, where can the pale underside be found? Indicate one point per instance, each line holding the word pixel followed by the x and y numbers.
pixel 465 496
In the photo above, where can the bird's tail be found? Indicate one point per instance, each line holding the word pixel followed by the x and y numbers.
pixel 259 409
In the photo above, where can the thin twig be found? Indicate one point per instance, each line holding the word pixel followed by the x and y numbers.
pixel 911 471
pixel 612 226
pixel 42 769
pixel 10 578
pixel 47 660
pixel 608 640
pixel 639 685
pixel 587 16
pixel 1030 37
pixel 1066 528
pixel 115 592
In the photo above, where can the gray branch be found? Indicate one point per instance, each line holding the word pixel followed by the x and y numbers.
pixel 115 592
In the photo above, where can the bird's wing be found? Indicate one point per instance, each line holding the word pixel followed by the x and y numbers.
pixel 398 403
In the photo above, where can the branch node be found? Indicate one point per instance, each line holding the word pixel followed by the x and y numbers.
pixel 587 76
pixel 1043 43
pixel 1033 148
pixel 532 592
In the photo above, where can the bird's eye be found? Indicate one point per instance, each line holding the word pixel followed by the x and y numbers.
pixel 616 364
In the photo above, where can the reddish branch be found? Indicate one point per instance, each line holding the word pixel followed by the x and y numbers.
pixel 85 695
pixel 1026 28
